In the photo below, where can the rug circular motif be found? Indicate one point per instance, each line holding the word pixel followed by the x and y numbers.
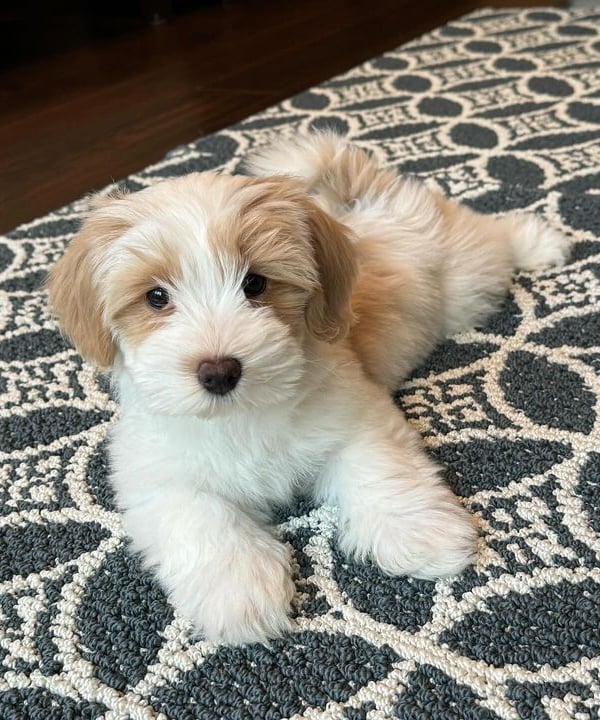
pixel 501 110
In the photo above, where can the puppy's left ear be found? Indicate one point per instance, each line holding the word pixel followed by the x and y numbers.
pixel 329 311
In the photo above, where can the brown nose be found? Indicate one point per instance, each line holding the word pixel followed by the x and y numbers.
pixel 219 376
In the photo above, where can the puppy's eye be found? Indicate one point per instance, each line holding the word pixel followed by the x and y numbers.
pixel 254 285
pixel 157 298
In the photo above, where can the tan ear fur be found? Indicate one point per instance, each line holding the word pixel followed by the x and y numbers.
pixel 329 312
pixel 72 292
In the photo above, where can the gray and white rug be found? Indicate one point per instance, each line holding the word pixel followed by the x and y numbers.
pixel 502 109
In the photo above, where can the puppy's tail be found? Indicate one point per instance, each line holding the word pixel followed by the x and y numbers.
pixel 331 167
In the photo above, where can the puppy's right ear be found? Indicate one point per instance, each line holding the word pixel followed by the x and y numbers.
pixel 72 287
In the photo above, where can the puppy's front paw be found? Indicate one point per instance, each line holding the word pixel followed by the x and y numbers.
pixel 250 599
pixel 434 539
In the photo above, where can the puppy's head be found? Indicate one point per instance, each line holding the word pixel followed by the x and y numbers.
pixel 205 289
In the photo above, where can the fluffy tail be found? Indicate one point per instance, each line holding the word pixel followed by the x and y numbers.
pixel 305 156
pixel 332 167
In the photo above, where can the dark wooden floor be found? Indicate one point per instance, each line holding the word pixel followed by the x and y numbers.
pixel 73 122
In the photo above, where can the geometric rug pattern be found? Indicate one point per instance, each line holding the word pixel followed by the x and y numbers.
pixel 502 110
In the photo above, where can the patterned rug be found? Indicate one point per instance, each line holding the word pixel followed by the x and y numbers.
pixel 502 110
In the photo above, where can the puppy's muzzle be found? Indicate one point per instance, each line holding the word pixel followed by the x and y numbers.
pixel 219 376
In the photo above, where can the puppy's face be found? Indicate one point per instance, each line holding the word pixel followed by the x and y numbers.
pixel 205 289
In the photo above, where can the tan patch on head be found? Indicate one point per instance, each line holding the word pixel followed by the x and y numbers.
pixel 129 311
pixel 306 255
pixel 274 242
pixel 265 226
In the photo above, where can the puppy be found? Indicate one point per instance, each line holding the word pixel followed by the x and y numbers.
pixel 254 327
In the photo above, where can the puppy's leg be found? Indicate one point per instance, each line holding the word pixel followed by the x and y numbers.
pixel 482 253
pixel 221 569
pixel 394 507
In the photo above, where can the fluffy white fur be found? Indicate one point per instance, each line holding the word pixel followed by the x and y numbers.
pixel 196 475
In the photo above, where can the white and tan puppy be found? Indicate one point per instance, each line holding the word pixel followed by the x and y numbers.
pixel 254 327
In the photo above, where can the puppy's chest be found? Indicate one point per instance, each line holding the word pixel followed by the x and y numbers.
pixel 254 462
